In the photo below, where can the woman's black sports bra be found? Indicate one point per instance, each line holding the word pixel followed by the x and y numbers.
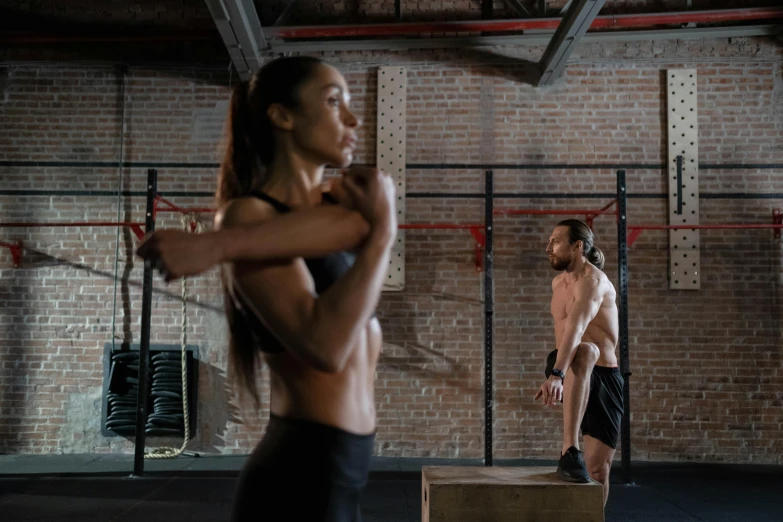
pixel 325 271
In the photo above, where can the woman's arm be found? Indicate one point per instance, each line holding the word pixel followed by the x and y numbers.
pixel 314 232
pixel 320 330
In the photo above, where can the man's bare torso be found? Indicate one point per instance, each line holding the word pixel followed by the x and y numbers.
pixel 603 330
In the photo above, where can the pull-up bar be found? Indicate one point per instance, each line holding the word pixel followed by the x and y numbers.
pixel 777 224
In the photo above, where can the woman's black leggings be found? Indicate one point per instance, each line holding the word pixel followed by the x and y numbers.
pixel 304 471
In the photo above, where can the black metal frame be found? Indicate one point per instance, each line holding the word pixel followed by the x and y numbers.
pixel 146 319
pixel 489 323
pixel 489 310
pixel 625 364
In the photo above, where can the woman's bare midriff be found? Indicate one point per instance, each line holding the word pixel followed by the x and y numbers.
pixel 343 400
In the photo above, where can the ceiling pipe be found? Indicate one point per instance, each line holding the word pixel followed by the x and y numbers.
pixel 418 28
pixel 497 26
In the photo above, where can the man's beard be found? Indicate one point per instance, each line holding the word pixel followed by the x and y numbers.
pixel 559 264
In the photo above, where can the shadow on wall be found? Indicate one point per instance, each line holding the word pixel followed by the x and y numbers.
pixel 14 386
pixel 406 354
pixel 215 409
pixel 37 259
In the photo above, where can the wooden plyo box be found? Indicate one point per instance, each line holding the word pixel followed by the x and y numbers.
pixel 506 494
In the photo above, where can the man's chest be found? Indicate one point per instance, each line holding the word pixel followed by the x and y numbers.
pixel 562 301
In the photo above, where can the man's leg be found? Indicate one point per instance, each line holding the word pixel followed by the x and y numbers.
pixel 598 459
pixel 576 390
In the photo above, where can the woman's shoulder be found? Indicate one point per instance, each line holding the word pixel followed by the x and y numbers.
pixel 243 211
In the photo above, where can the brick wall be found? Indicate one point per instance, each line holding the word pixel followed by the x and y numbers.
pixel 706 365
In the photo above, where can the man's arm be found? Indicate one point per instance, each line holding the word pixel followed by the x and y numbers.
pixel 587 301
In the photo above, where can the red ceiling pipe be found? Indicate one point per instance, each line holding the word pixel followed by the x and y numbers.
pixel 496 26
pixel 419 28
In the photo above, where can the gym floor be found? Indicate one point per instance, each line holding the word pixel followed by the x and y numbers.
pixel 99 489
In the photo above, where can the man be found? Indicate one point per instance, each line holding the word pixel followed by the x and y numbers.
pixel 582 372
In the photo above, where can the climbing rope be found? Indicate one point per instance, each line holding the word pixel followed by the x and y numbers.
pixel 189 223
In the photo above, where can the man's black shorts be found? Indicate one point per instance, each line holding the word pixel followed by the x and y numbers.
pixel 604 411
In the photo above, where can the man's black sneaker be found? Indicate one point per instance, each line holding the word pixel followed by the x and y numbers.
pixel 571 467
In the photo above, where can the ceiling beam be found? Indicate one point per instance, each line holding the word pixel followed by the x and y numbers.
pixel 241 31
pixel 575 24
pixel 538 38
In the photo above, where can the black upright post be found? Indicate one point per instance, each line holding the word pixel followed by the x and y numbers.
pixel 489 310
pixel 144 344
pixel 625 365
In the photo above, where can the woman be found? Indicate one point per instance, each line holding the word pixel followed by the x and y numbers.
pixel 312 320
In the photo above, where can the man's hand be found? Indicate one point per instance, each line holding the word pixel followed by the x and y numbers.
pixel 176 253
pixel 551 391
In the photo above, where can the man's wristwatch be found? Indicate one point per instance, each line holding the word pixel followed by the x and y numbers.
pixel 558 373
